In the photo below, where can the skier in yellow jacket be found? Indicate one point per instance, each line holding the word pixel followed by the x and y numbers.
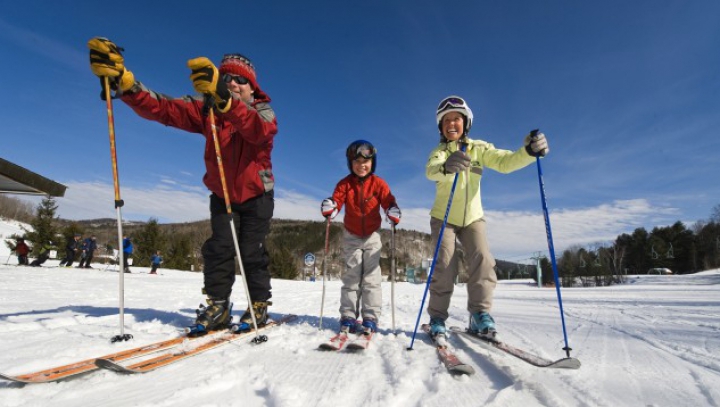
pixel 465 220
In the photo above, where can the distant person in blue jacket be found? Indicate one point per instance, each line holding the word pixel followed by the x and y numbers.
pixel 156 261
pixel 127 252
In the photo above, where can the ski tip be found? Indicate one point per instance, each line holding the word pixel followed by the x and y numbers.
pixel 110 365
pixel 462 370
pixel 567 363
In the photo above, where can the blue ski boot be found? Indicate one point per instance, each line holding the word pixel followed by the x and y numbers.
pixel 482 324
pixel 369 326
pixel 348 325
pixel 437 327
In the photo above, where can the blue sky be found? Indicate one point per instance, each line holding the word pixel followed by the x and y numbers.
pixel 628 94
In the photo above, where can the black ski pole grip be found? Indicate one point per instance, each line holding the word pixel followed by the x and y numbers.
pixel 208 103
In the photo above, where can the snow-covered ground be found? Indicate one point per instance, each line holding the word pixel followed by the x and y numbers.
pixel 652 342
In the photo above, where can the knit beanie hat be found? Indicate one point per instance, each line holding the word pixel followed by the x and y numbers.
pixel 238 64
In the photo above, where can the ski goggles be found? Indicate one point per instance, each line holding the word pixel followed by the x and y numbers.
pixel 364 151
pixel 451 102
pixel 240 80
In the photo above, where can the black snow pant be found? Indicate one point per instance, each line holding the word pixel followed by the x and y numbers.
pixel 40 260
pixel 69 258
pixel 85 261
pixel 252 223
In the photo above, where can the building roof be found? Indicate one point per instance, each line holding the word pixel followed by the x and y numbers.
pixel 15 179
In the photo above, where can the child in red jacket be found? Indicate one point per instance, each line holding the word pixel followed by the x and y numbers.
pixel 363 193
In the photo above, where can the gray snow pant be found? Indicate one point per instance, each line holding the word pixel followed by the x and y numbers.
pixel 361 294
pixel 480 266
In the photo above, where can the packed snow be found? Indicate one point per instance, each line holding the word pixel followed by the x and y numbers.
pixel 654 341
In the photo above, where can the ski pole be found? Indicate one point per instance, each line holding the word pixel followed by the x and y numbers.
pixel 118 204
pixel 551 246
pixel 324 266
pixel 463 147
pixel 209 102
pixel 392 273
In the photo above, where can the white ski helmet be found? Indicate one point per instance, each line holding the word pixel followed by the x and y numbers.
pixel 454 104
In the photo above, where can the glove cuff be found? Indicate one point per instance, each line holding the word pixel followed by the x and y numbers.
pixel 126 81
pixel 226 107
pixel 529 150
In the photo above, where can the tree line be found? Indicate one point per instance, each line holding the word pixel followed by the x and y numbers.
pixel 676 247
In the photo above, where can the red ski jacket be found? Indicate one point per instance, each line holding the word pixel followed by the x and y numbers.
pixel 362 199
pixel 245 134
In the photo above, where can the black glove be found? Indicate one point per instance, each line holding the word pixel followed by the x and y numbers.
pixel 458 161
pixel 536 144
pixel 206 80
pixel 106 60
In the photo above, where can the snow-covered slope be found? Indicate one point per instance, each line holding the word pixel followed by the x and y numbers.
pixel 654 341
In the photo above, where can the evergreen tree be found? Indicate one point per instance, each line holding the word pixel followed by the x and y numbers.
pixel 282 264
pixel 548 276
pixel 148 240
pixel 179 252
pixel 44 225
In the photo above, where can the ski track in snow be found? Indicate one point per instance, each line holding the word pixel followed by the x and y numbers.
pixel 652 342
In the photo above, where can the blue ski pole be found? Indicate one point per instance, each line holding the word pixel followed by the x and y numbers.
pixel 551 246
pixel 463 147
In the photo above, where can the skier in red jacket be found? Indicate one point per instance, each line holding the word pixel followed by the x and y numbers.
pixel 246 128
pixel 363 194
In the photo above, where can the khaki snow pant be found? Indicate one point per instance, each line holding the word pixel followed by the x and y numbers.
pixel 480 266
pixel 361 294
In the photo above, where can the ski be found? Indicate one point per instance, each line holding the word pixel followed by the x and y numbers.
pixel 335 343
pixel 448 358
pixel 360 342
pixel 86 366
pixel 200 345
pixel 525 356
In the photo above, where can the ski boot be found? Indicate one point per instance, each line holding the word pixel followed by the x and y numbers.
pixel 261 317
pixel 437 327
pixel 483 325
pixel 348 325
pixel 369 326
pixel 215 316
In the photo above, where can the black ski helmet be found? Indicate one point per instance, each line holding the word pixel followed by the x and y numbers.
pixel 361 148
pixel 454 104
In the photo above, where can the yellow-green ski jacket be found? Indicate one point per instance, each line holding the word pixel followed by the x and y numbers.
pixel 467 206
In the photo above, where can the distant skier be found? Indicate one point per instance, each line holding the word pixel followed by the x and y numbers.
pixel 21 249
pixel 246 128
pixel 465 221
pixel 43 254
pixel 156 260
pixel 127 252
pixel 89 246
pixel 71 249
pixel 363 194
